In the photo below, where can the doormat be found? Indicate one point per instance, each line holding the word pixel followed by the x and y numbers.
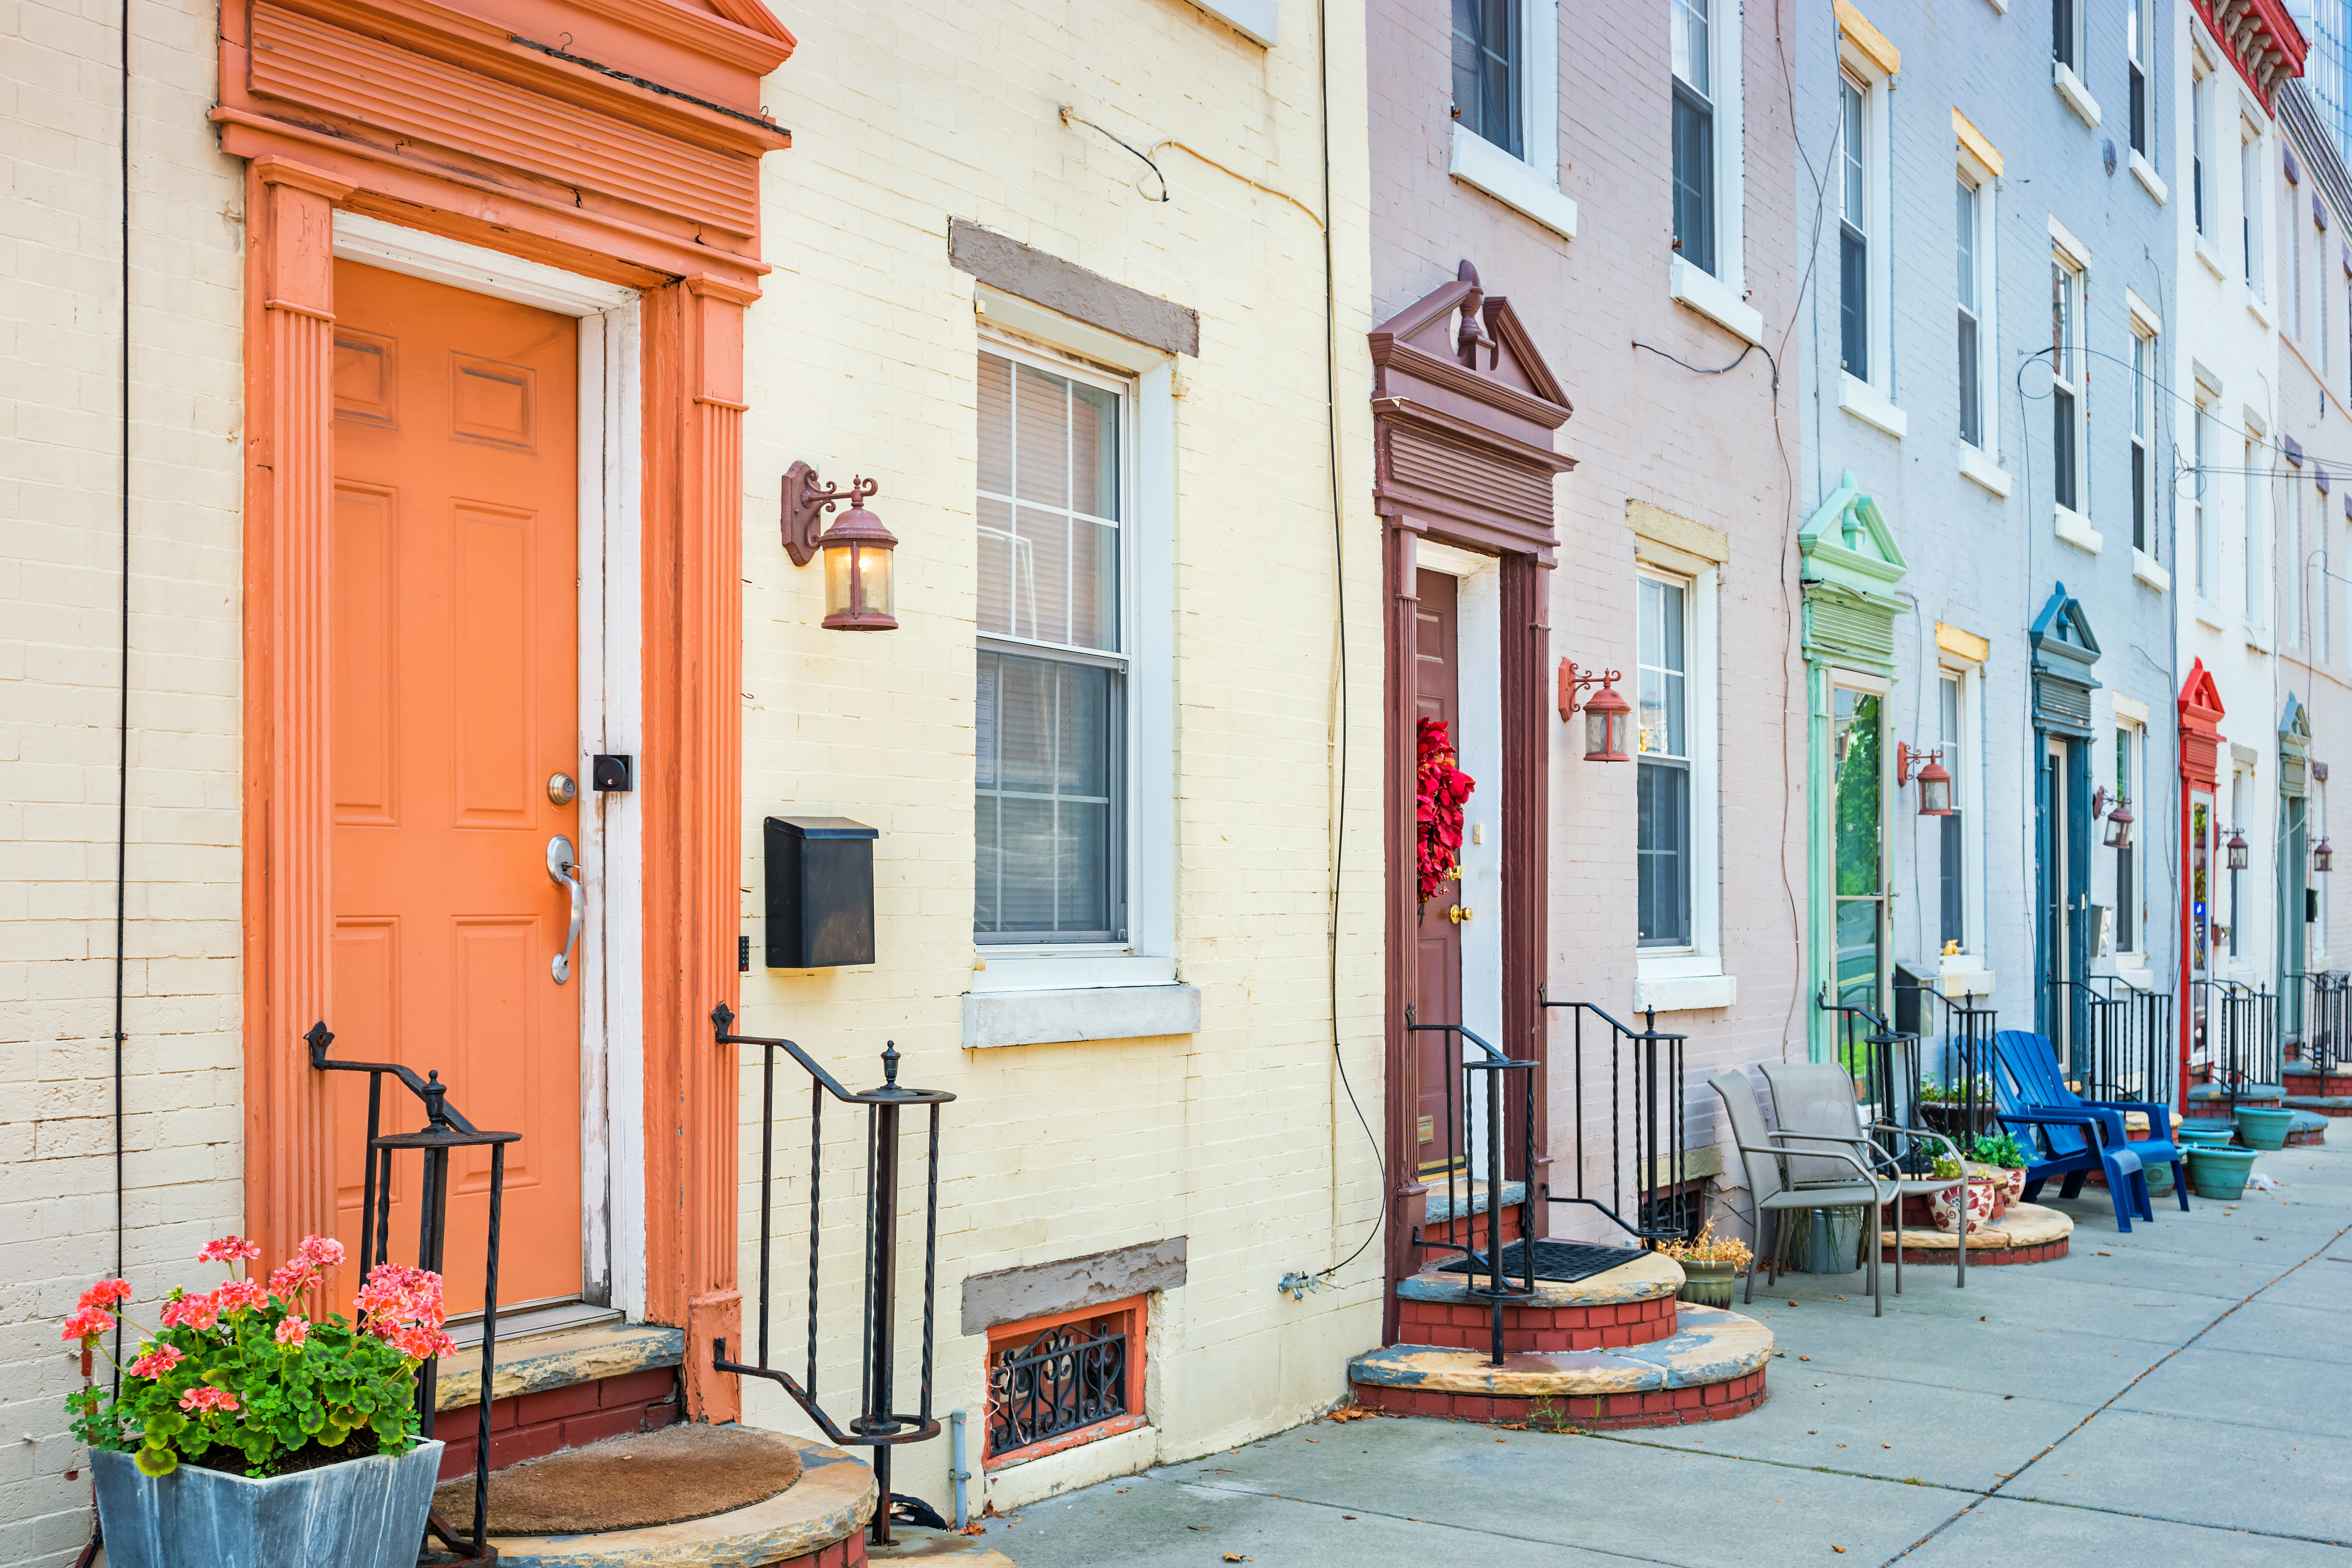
pixel 628 1483
pixel 1562 1262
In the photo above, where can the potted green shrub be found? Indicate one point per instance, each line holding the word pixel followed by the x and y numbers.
pixel 2008 1156
pixel 1711 1266
pixel 245 1431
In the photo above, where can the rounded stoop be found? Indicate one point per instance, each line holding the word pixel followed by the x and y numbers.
pixel 817 1523
pixel 2309 1126
pixel 1631 1304
pixel 2321 1104
pixel 2027 1232
pixel 1711 1369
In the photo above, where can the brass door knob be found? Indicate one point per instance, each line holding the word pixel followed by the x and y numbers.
pixel 1457 914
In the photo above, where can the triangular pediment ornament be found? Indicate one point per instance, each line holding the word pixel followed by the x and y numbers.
pixel 749 15
pixel 1847 540
pixel 2061 634
pixel 1460 337
pixel 2201 695
pixel 2295 725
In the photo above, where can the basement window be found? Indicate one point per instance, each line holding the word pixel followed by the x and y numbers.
pixel 1059 1381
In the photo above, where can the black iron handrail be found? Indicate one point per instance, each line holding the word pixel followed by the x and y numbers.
pixel 877 1425
pixel 1964 1098
pixel 1500 1288
pixel 445 1129
pixel 2117 1039
pixel 2327 1021
pixel 1657 1124
pixel 2246 1020
pixel 1882 1065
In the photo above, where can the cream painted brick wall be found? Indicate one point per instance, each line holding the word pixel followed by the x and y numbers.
pixel 60 592
pixel 862 357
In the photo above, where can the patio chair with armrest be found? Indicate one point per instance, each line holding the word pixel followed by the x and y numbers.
pixel 1816 1099
pixel 1766 1154
pixel 2078 1136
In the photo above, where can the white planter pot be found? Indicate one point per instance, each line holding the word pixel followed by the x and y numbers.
pixel 365 1513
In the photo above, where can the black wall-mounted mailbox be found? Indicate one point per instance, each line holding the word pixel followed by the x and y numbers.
pixel 820 892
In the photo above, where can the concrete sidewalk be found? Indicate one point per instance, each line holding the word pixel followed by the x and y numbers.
pixel 2180 1394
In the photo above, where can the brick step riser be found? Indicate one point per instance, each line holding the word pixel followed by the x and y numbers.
pixel 1536 1329
pixel 1600 1413
pixel 532 1426
pixel 1980 1258
pixel 1457 1233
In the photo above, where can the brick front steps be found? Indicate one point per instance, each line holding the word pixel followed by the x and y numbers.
pixel 559 1391
pixel 817 1523
pixel 1710 1369
pixel 2027 1232
pixel 1630 1305
pixel 2322 1104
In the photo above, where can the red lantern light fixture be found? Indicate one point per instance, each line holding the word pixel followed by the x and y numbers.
pixel 2323 856
pixel 2236 849
pixel 1934 779
pixel 856 549
pixel 2119 824
pixel 1607 715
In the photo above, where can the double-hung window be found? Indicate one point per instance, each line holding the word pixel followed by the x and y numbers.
pixel 1853 235
pixel 1486 50
pixel 1971 349
pixel 1694 131
pixel 2291 555
pixel 2250 204
pixel 2258 494
pixel 2066 400
pixel 2138 42
pixel 2201 88
pixel 2065 34
pixel 1663 856
pixel 1051 716
pixel 2200 503
pixel 2143 482
pixel 2293 269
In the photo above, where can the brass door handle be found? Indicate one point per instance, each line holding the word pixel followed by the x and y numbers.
pixel 1457 914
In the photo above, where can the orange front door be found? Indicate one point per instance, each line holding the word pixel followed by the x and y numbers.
pixel 454 697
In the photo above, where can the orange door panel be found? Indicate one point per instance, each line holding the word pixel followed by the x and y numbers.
pixel 454 694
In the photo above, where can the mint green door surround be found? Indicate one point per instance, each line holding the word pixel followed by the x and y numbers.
pixel 2294 862
pixel 1851 567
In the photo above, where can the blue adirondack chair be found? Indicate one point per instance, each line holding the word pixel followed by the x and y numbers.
pixel 2070 1137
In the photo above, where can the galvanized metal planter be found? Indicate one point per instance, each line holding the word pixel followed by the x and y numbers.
pixel 365 1513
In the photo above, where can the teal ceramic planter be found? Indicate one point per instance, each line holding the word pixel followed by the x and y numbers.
pixel 2259 1129
pixel 2220 1174
pixel 2204 1134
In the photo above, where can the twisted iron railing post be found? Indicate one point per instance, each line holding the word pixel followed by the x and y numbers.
pixel 1657 1062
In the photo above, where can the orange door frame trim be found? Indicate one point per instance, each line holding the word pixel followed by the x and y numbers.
pixel 436 117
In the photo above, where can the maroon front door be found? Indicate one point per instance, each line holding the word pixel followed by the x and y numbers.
pixel 1437 692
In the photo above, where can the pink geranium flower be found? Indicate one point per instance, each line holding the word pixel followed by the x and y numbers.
pixel 185 1311
pixel 202 1399
pixel 238 1296
pixel 159 1359
pixel 304 1269
pixel 293 1331
pixel 105 1293
pixel 88 1325
pixel 228 1249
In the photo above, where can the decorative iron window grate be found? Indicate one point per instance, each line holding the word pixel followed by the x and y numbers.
pixel 1066 1378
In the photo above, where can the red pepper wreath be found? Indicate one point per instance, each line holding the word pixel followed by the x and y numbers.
pixel 1440 788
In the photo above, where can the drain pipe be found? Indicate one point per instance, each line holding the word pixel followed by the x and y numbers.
pixel 956 1470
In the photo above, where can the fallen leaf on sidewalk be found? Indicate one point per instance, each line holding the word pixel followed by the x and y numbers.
pixel 1237 1557
pixel 1838 1549
pixel 1886 1445
pixel 974 1528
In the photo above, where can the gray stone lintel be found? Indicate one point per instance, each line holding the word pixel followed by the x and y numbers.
pixel 1003 262
pixel 1039 1290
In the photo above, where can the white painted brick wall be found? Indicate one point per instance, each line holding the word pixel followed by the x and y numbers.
pixel 60 591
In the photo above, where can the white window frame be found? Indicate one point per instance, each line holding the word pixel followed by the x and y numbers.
pixel 2065 78
pixel 2257 525
pixel 2297 323
pixel 1871 397
pixel 2140 55
pixel 1968 784
pixel 2203 195
pixel 1987 196
pixel 2205 521
pixel 1721 295
pixel 2073 257
pixel 1529 184
pixel 2132 717
pixel 2293 571
pixel 2148 564
pixel 1659 970
pixel 2251 210
pixel 1145 379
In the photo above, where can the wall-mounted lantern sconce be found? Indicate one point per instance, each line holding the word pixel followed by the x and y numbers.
pixel 2323 856
pixel 2119 824
pixel 1607 715
pixel 856 549
pixel 1934 779
pixel 2237 850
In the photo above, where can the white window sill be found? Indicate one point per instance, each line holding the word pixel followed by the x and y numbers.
pixel 2208 616
pixel 1963 975
pixel 1257 20
pixel 2131 969
pixel 1714 299
pixel 2145 568
pixel 1984 471
pixel 2259 641
pixel 1685 992
pixel 1099 1013
pixel 2257 308
pixel 1870 405
pixel 2144 173
pixel 2210 257
pixel 1013 968
pixel 2078 97
pixel 2076 529
pixel 1478 161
